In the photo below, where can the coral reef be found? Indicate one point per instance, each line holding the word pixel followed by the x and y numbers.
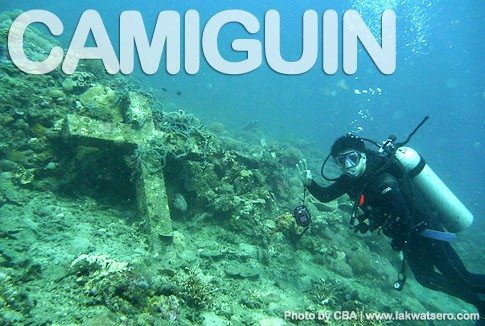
pixel 100 102
pixel 79 81
pixel 193 288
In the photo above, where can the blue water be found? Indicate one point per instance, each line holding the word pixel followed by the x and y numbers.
pixel 440 65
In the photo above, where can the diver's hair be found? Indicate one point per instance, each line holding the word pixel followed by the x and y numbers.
pixel 348 142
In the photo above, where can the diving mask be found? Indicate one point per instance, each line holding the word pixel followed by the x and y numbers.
pixel 347 160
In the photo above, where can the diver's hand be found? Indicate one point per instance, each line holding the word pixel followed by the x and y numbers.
pixel 303 172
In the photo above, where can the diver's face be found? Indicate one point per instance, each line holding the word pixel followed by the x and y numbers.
pixel 351 162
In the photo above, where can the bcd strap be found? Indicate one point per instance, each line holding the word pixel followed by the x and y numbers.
pixel 418 168
pixel 438 235
pixel 355 208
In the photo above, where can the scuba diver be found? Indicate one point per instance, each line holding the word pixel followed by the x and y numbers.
pixel 397 193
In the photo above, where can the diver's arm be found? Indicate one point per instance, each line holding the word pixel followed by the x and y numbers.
pixel 326 194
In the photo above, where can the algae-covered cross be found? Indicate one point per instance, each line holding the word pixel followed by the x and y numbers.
pixel 134 134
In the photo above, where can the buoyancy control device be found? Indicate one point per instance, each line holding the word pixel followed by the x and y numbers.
pixel 451 212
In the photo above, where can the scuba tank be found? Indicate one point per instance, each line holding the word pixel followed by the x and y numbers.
pixel 454 216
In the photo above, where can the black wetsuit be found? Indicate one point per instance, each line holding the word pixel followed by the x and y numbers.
pixel 385 195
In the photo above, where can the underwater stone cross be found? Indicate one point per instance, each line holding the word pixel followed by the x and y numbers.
pixel 150 186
